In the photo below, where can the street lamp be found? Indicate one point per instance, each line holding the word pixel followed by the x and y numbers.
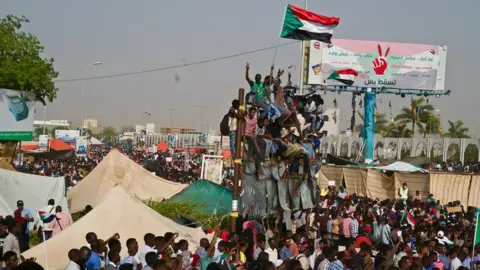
pixel 201 114
pixel 83 92
pixel 171 116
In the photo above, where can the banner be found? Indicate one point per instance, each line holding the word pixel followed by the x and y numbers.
pixel 16 115
pixel 81 146
pixel 379 64
pixel 43 142
pixel 67 135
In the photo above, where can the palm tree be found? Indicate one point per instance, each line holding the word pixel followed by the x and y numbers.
pixel 380 121
pixel 401 131
pixel 456 130
pixel 408 115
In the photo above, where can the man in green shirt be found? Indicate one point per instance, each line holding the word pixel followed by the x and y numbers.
pixel 258 87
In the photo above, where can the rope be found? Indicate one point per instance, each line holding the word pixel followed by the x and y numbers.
pixel 178 66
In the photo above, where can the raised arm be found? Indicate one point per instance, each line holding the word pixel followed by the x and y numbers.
pixel 247 68
pixel 211 248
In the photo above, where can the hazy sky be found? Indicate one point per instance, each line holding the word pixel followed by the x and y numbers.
pixel 140 35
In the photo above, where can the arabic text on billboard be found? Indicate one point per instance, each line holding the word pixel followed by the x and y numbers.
pixel 67 135
pixel 395 65
pixel 16 115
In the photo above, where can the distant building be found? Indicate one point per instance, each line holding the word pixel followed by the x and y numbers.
pixel 52 123
pixel 176 130
pixel 90 123
pixel 150 128
pixel 332 126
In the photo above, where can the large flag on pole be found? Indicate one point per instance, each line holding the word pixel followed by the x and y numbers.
pixel 302 24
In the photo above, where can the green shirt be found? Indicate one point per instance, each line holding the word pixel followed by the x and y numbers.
pixel 259 89
pixel 205 260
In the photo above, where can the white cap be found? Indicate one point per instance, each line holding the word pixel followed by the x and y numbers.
pixel 278 263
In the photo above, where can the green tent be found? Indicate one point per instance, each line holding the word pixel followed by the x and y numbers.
pixel 209 194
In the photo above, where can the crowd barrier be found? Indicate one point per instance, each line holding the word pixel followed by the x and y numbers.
pixel 373 183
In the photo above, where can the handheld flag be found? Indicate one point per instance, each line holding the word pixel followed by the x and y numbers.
pixel 301 24
pixel 346 76
pixel 45 217
pixel 409 218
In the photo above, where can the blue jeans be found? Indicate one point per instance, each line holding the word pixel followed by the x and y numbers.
pixel 264 108
pixel 232 136
pixel 273 112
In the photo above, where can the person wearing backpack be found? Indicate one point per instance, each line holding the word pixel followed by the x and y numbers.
pixel 233 116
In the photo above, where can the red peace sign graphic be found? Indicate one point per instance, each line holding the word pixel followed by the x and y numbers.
pixel 380 63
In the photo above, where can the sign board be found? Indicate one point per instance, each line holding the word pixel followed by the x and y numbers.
pixel 81 146
pixel 379 64
pixel 16 115
pixel 455 209
pixel 67 135
pixel 43 142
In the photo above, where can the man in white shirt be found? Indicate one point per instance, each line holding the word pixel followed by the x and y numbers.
pixel 49 209
pixel 11 241
pixel 456 260
pixel 75 257
pixel 149 239
pixel 271 250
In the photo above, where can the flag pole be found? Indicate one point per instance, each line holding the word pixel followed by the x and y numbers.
pixel 303 60
pixel 44 242
pixel 279 36
pixel 474 238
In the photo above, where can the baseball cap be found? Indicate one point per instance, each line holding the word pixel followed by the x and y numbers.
pixel 19 203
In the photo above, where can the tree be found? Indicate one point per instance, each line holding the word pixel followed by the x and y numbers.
pixel 401 131
pixel 39 131
pixel 109 132
pixel 21 66
pixel 380 122
pixel 456 130
pixel 127 128
pixel 409 115
pixel 58 128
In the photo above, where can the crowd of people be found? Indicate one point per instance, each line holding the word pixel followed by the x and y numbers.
pixel 286 114
pixel 343 231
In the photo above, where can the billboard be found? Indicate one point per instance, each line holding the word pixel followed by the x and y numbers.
pixel 16 115
pixel 67 135
pixel 43 142
pixel 394 65
pixel 81 146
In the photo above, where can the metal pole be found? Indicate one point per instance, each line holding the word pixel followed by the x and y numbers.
pixel 303 60
pixel 201 114
pixel 237 159
pixel 83 93
pixel 171 116
pixel 44 118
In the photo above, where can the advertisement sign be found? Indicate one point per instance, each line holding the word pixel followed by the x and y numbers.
pixel 43 142
pixel 81 146
pixel 16 115
pixel 67 135
pixel 379 64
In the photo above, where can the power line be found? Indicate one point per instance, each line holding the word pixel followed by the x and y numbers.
pixel 177 66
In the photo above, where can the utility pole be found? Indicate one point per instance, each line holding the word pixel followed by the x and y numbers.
pixel 201 114
pixel 171 115
pixel 237 159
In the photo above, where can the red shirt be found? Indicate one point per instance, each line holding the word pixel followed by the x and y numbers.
pixel 362 239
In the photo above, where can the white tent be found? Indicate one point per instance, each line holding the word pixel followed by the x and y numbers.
pixel 95 141
pixel 400 166
pixel 119 213
pixel 34 190
pixel 117 169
